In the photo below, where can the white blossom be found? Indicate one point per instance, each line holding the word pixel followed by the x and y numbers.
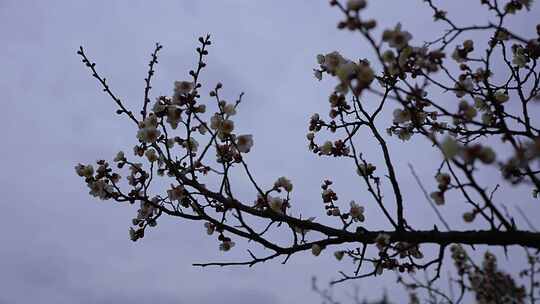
pixel 284 183
pixel 244 143
pixel 356 211
pixel 176 193
pixel 100 189
pixel 148 132
pixel 450 147
pixel 382 241
pixel 275 203
pixel 229 109
pixel 191 144
pixel 397 38
pixel 182 87
pixel 84 171
pixel 326 148
pixel 174 116
pixel 151 155
pixel 119 156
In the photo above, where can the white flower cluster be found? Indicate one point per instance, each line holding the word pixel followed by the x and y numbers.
pixel 382 241
pixel 84 170
pixel 148 131
pixel 397 38
pixel 177 194
pixel 451 148
pixel 181 90
pixel 355 75
pixel 146 211
pixel 100 183
pixel 489 284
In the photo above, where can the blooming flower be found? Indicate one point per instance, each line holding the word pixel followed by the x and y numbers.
pixel 284 183
pixel 119 156
pixel 148 132
pixel 100 189
pixel 229 109
pixel 331 61
pixel 450 147
pixel 326 148
pixel 244 143
pixel 463 87
pixel 182 87
pixel 397 38
pixel 174 116
pixel 176 193
pixel 84 171
pixel 401 116
pixel 151 155
pixel 191 144
pixel 382 241
pixel 357 211
pixel 276 204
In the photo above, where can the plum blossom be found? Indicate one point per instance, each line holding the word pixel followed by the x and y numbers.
pixel 182 88
pixel 276 204
pixel 356 212
pixel 326 148
pixel 244 143
pixel 174 116
pixel 101 189
pixel 382 241
pixel 284 183
pixel 397 38
pixel 331 61
pixel 151 155
pixel 229 109
pixel 176 193
pixel 148 132
pixel 191 144
pixel 84 171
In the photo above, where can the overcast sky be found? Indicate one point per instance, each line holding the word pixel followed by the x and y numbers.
pixel 59 245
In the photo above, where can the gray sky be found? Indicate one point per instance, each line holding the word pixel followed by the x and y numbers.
pixel 59 245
